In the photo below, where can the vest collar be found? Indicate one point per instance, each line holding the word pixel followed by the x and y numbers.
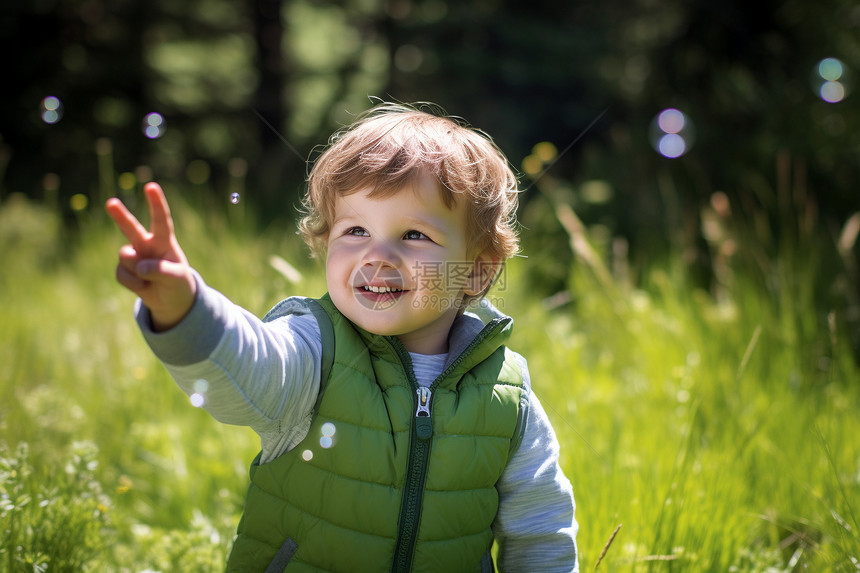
pixel 474 336
pixel 482 323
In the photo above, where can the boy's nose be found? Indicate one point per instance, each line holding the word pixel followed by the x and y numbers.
pixel 381 253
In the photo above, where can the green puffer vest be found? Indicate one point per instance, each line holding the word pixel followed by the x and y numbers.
pixel 391 476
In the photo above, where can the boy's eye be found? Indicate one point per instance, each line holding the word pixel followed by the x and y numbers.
pixel 415 235
pixel 357 232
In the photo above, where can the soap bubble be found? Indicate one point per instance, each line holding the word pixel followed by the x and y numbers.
pixel 830 80
pixel 830 69
pixel 671 133
pixel 198 398
pixel 671 120
pixel 154 125
pixel 672 145
pixel 51 109
pixel 328 430
pixel 307 455
pixel 235 198
pixel 832 92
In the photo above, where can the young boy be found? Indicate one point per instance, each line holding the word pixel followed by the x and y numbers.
pixel 398 432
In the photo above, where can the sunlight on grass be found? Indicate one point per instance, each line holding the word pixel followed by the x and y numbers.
pixel 720 430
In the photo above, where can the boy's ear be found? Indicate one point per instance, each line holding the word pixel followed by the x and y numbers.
pixel 484 271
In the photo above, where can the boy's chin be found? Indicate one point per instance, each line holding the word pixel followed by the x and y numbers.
pixel 374 322
pixel 366 316
pixel 394 315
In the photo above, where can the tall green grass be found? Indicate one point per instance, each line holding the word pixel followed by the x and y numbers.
pixel 718 427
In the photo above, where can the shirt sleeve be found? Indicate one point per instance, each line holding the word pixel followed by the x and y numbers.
pixel 536 526
pixel 241 370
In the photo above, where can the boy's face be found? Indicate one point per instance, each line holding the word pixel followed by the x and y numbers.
pixel 399 265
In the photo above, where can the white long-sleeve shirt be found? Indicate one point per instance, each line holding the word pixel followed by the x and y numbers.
pixel 267 376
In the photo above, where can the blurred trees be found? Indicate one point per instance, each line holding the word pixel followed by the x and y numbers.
pixel 248 88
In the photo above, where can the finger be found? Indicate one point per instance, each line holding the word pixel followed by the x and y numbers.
pixel 127 223
pixel 161 223
pixel 128 258
pixel 129 280
pixel 160 270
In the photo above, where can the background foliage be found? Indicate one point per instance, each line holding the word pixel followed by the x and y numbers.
pixel 691 323
pixel 263 82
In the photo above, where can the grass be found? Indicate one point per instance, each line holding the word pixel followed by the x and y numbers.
pixel 718 427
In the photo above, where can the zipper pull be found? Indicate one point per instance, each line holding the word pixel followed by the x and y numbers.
pixel 423 424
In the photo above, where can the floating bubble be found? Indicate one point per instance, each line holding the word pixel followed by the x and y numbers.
pixel 671 133
pixel 830 69
pixel 197 400
pixel 672 145
pixel 154 125
pixel 671 120
pixel 51 109
pixel 201 385
pixel 235 198
pixel 830 80
pixel 307 455
pixel 832 92
pixel 328 429
pixel 51 103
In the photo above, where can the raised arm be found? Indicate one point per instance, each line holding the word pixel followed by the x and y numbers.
pixel 245 372
pixel 153 265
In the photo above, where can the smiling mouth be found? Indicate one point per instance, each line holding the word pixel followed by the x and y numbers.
pixel 377 297
pixel 380 289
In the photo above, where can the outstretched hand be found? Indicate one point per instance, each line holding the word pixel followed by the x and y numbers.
pixel 153 266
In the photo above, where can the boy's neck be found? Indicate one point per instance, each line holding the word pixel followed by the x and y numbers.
pixel 435 342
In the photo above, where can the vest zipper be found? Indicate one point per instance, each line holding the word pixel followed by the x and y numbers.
pixel 423 424
pixel 419 448
pixel 416 471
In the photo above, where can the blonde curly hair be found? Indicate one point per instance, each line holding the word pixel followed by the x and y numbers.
pixel 390 146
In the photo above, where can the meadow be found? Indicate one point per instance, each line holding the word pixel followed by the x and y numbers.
pixel 704 428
